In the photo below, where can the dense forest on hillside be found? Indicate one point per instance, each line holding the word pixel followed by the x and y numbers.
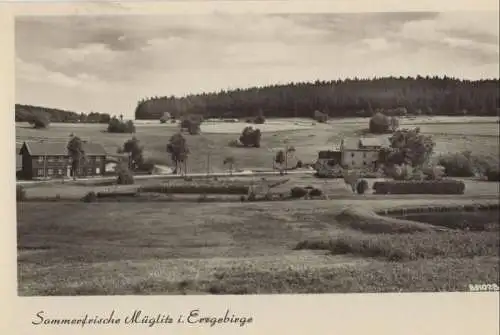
pixel 340 98
pixel 25 113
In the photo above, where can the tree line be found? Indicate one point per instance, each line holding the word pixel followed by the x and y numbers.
pixel 29 113
pixel 337 98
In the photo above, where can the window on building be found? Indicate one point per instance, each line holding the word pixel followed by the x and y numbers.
pixel 40 172
pixel 61 172
pixel 352 154
pixel 61 158
pixel 40 159
pixel 364 163
pixel 50 172
pixel 364 154
pixel 97 159
pixel 50 158
pixel 90 170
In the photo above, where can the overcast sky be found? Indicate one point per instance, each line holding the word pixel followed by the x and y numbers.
pixel 105 64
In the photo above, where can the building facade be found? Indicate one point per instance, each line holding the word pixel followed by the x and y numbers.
pixel 42 160
pixel 361 153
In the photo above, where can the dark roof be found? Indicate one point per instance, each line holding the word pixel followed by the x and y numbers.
pixel 60 149
pixel 329 154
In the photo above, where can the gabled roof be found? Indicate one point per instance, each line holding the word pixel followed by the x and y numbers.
pixel 360 143
pixel 60 149
pixel 370 142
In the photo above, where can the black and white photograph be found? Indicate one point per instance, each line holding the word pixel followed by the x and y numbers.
pixel 257 153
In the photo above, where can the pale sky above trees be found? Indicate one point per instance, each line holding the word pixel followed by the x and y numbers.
pixel 106 64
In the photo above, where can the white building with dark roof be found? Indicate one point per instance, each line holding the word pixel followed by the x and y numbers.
pixel 361 153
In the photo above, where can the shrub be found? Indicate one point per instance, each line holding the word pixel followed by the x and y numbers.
pixel 362 186
pixel 401 172
pixel 235 143
pixel 125 176
pixel 90 197
pixel 419 187
pixel 259 119
pixel 457 165
pixel 299 164
pixel 320 117
pixel 242 198
pixel 315 192
pixel 20 193
pixel 298 192
pixel 146 167
pixel 252 197
pixel 433 172
pixel 493 174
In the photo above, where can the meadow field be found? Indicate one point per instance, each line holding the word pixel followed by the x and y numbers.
pixel 451 134
pixel 336 243
pixel 273 247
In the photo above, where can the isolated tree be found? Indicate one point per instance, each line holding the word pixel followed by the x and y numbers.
pixel 288 151
pixel 351 178
pixel 124 175
pixel 134 150
pixel 76 153
pixel 410 147
pixel 40 120
pixel 280 159
pixel 165 117
pixel 250 137
pixel 192 124
pixel 379 123
pixel 230 160
pixel 260 119
pixel 178 150
pixel 394 123
pixel 129 127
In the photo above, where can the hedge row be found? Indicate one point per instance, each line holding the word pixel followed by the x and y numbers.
pixel 196 189
pixel 419 187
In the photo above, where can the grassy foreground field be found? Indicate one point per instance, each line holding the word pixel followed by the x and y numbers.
pixel 274 247
pixel 451 134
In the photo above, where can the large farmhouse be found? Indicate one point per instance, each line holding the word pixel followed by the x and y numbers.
pixel 361 153
pixel 50 159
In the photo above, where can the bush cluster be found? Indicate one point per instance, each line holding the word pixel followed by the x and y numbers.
pixel 466 164
pixel 90 197
pixel 362 186
pixel 298 192
pixel 419 187
pixel 119 126
pixel 125 176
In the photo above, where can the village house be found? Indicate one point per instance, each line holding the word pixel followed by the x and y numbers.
pixel 51 160
pixel 361 153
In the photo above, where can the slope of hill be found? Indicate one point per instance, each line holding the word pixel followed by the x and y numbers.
pixel 341 98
